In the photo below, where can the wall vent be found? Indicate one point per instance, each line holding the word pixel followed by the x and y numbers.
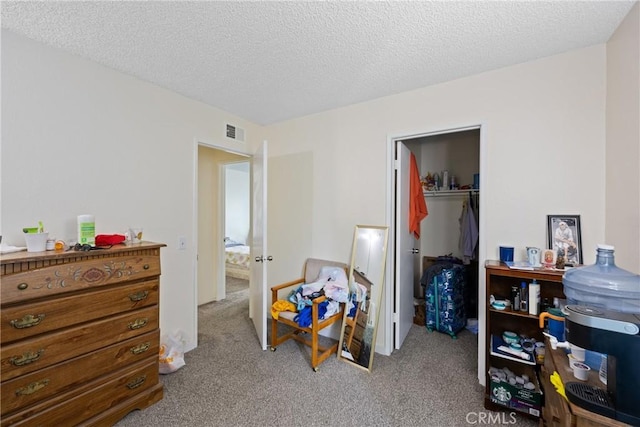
pixel 234 132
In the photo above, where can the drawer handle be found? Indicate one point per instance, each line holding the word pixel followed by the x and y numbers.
pixel 137 382
pixel 138 296
pixel 23 286
pixel 27 321
pixel 32 388
pixel 26 358
pixel 140 348
pixel 138 323
pixel 146 266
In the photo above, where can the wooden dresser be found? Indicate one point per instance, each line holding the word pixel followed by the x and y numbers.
pixel 79 335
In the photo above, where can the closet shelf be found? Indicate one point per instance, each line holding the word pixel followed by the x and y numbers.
pixel 450 192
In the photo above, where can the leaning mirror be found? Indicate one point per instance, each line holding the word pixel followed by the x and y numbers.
pixel 366 278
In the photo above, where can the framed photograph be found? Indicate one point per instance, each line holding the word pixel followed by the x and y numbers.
pixel 564 237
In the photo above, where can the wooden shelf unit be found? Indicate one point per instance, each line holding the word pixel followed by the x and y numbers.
pixel 499 280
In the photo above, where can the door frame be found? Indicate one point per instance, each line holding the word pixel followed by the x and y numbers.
pixel 194 231
pixel 390 315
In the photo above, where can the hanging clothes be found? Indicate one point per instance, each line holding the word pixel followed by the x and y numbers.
pixel 468 232
pixel 417 204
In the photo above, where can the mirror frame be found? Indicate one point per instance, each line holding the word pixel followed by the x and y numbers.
pixel 376 298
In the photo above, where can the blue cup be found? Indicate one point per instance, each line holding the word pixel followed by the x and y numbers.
pixel 556 328
pixel 506 253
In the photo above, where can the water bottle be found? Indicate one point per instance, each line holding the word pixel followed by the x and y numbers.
pixel 603 284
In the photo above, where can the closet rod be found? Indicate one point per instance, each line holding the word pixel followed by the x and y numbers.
pixel 450 193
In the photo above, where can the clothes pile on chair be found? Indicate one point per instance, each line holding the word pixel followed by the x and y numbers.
pixel 310 307
pixel 331 282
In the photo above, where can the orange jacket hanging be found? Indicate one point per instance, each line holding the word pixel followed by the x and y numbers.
pixel 417 204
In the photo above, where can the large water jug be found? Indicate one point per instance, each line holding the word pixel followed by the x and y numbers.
pixel 603 284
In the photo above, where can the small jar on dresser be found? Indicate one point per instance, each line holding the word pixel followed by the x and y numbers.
pixel 79 335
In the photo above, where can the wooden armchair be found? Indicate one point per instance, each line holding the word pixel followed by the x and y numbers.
pixel 318 353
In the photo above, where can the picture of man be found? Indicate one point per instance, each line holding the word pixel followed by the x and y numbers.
pixel 565 244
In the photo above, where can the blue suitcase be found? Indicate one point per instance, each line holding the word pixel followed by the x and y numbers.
pixel 444 299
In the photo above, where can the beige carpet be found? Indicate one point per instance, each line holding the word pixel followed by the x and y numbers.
pixel 229 381
pixel 234 285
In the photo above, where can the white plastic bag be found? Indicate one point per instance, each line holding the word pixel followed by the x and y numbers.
pixel 171 353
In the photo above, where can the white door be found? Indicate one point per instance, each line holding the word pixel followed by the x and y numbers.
pixel 405 248
pixel 258 282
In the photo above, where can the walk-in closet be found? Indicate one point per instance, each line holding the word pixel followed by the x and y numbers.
pixel 452 223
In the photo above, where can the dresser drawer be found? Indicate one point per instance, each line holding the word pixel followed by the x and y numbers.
pixel 25 320
pixel 36 386
pixel 51 348
pixel 61 278
pixel 73 407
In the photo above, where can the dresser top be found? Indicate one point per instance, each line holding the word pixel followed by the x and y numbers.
pixel 19 257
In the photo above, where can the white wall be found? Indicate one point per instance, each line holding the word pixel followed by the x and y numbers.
pixel 623 142
pixel 545 137
pixel 208 219
pixel 81 138
pixel 291 213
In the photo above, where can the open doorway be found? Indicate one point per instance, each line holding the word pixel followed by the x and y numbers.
pixel 209 229
pixel 435 151
pixel 213 165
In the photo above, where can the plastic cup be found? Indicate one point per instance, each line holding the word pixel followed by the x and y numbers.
pixel 135 235
pixel 36 242
pixel 578 353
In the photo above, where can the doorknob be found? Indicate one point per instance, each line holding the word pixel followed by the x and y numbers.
pixel 415 251
pixel 269 258
pixel 259 259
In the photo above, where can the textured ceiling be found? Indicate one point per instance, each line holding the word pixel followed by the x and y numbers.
pixel 270 61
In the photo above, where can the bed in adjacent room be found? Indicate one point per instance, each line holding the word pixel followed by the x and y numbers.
pixel 237 257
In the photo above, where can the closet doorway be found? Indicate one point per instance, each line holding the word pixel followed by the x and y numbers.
pixel 460 152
